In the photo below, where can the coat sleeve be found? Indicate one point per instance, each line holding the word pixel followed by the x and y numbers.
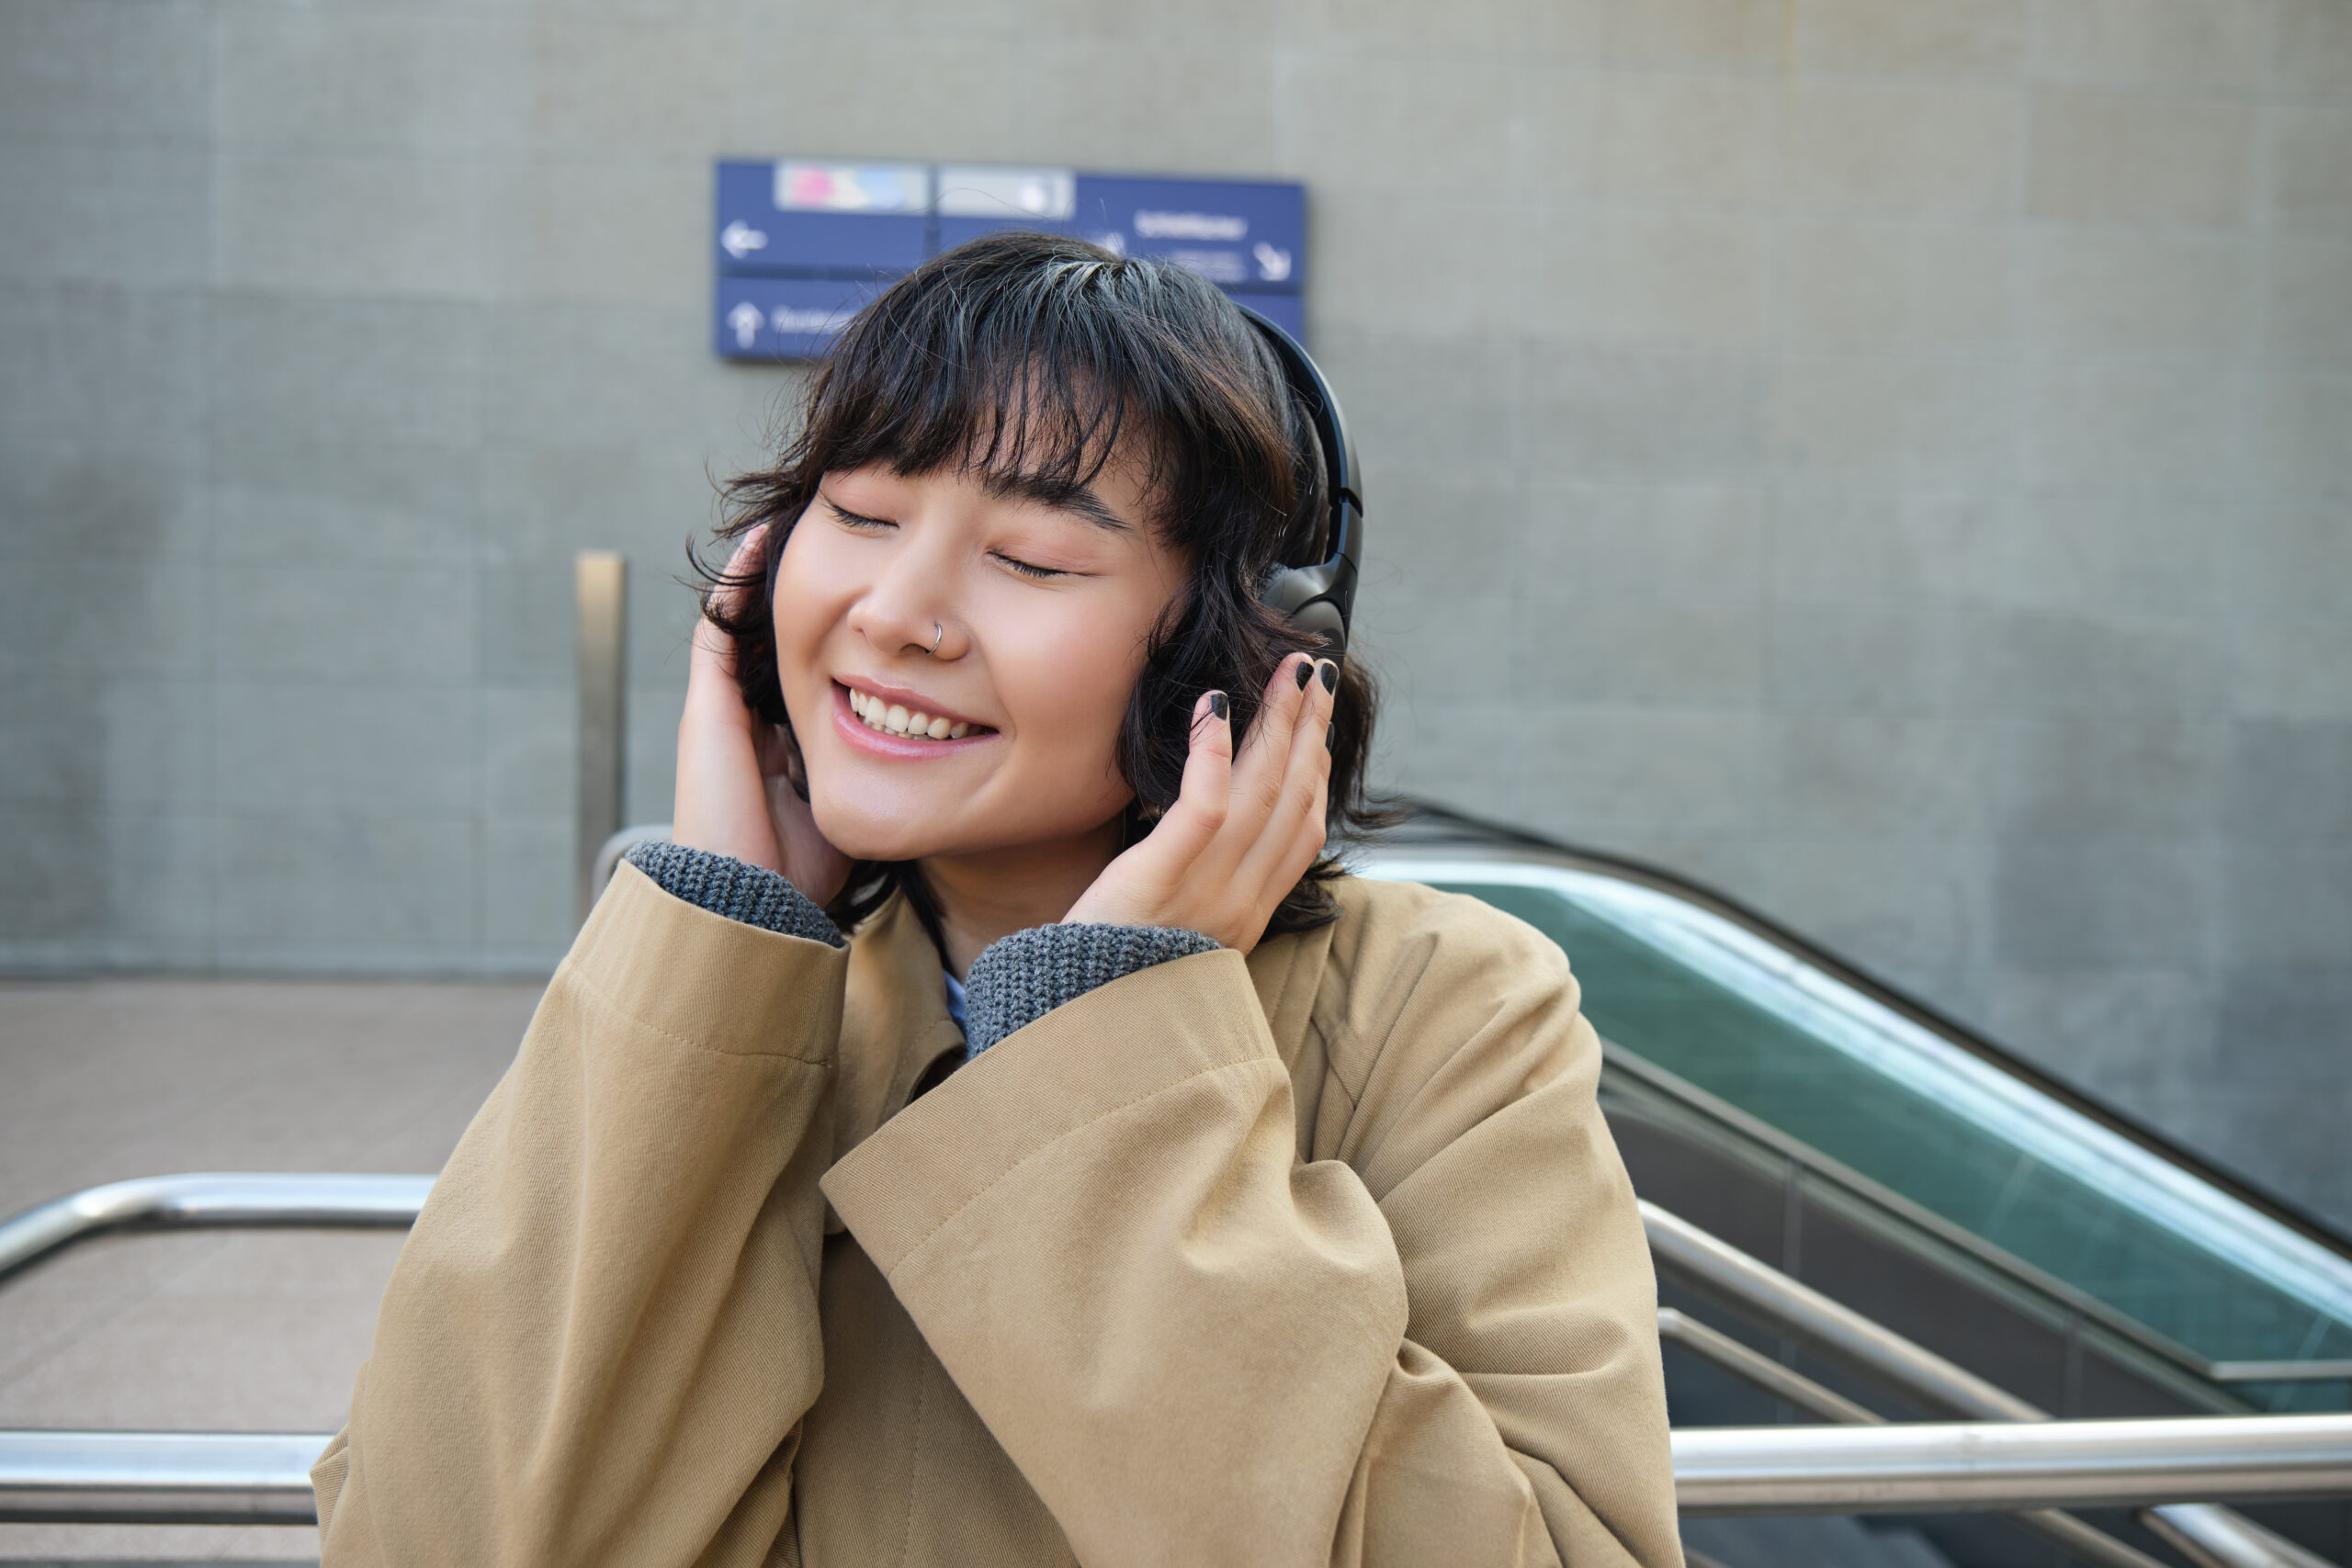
pixel 602 1335
pixel 1197 1347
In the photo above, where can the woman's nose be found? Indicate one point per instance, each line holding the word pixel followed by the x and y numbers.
pixel 905 613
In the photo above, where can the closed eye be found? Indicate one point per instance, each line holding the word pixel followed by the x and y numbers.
pixel 1028 569
pixel 858 520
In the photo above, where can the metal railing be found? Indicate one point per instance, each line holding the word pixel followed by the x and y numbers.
pixel 224 1200
pixel 2021 1463
pixel 2208 1535
pixel 2008 1467
pixel 262 1477
pixel 158 1478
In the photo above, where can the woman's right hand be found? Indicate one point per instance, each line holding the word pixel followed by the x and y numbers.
pixel 734 797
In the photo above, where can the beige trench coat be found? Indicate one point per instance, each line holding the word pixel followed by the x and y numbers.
pixel 1323 1256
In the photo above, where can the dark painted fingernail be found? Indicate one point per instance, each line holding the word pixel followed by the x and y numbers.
pixel 1305 670
pixel 1218 707
pixel 1330 673
pixel 1328 731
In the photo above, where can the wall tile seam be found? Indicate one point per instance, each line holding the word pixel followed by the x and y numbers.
pixel 309 143
pixel 2153 94
pixel 2200 89
pixel 335 809
pixel 272 676
pixel 256 301
pixel 326 153
pixel 1808 72
pixel 297 556
pixel 2218 238
pixel 106 289
pixel 251 289
pixel 1439 46
pixel 46 140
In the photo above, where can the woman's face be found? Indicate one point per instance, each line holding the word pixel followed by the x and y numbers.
pixel 1041 612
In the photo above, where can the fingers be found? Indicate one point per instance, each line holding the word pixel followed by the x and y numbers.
pixel 1240 833
pixel 1293 831
pixel 1265 755
pixel 1203 799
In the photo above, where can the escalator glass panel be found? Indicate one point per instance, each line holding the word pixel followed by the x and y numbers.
pixel 1797 1049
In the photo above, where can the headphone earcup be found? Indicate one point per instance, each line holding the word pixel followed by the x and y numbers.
pixel 1321 620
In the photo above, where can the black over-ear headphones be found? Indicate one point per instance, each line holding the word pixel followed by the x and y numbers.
pixel 1319 599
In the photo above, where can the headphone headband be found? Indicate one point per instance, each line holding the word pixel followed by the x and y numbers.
pixel 1320 599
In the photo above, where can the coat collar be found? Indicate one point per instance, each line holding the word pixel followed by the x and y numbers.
pixel 895 1024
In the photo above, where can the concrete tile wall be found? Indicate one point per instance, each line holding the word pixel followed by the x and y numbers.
pixel 1888 458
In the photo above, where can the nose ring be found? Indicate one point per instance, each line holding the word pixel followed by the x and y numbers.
pixel 937 631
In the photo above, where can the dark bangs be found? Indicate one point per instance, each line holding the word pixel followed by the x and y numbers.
pixel 1034 358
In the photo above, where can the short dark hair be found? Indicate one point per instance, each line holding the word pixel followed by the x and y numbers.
pixel 1039 354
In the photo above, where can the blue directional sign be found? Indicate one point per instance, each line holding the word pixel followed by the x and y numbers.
pixel 785 318
pixel 1237 233
pixel 806 219
pixel 801 243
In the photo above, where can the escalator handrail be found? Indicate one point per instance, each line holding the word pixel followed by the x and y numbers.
pixel 1429 825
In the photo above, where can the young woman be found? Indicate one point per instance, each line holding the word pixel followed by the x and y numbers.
pixel 1129 1186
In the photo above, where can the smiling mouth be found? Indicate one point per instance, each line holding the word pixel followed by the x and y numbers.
pixel 891 718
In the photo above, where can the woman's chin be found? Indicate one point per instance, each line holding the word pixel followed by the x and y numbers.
pixel 859 836
pixel 872 830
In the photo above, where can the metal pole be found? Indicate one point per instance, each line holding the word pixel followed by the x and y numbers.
pixel 160 1478
pixel 228 1199
pixel 1756 1367
pixel 2212 1536
pixel 262 1477
pixel 601 585
pixel 2009 1466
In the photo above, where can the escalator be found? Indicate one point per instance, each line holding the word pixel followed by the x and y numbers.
pixel 1890 1159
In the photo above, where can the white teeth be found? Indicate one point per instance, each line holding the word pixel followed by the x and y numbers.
pixel 893 719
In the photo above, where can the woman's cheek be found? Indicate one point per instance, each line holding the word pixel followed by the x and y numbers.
pixel 800 627
pixel 1090 697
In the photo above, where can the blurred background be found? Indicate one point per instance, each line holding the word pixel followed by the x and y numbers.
pixel 1888 459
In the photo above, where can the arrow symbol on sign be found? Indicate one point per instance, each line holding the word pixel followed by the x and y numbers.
pixel 745 319
pixel 738 239
pixel 1274 266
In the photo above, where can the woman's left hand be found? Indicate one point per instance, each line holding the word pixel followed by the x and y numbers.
pixel 1241 832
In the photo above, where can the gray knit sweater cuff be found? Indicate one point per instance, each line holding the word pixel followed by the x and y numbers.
pixel 1023 977
pixel 724 885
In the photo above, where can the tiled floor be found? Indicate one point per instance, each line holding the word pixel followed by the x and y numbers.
pixel 253 1330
